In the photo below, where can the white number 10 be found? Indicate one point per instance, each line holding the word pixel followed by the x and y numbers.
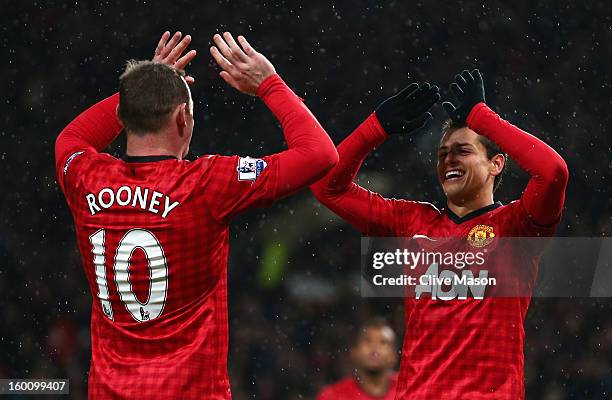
pixel 158 273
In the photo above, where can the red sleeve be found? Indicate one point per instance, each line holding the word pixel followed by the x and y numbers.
pixel 543 199
pixel 242 183
pixel 93 130
pixel 367 211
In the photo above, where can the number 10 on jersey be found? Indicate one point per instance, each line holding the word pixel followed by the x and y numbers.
pixel 158 273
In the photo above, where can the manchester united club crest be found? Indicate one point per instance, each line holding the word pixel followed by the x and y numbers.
pixel 481 235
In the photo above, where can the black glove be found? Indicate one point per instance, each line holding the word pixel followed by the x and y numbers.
pixel 468 89
pixel 407 111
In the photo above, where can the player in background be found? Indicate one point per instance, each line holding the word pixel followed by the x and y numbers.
pixel 457 348
pixel 152 228
pixel 374 356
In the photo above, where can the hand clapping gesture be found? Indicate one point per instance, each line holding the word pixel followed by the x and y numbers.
pixel 243 68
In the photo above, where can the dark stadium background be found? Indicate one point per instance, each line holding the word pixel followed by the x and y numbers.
pixel 294 303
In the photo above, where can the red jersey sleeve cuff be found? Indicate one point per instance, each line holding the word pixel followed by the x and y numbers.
pixel 268 83
pixel 475 113
pixel 376 133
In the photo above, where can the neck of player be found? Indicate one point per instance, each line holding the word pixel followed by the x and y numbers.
pixel 374 383
pixel 153 145
pixel 463 206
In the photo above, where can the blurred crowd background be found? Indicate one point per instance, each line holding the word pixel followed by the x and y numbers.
pixel 294 268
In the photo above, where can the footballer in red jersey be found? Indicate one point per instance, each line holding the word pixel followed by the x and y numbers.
pixel 374 356
pixel 457 348
pixel 152 228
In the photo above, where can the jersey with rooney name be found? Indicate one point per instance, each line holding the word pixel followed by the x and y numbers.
pixel 153 236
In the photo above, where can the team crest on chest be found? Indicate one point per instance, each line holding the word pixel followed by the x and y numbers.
pixel 481 235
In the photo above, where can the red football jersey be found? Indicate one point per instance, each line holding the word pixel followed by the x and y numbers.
pixel 469 348
pixel 349 389
pixel 165 328
pixel 153 236
pixel 453 348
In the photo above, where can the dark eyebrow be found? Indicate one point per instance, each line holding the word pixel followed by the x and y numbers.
pixel 455 145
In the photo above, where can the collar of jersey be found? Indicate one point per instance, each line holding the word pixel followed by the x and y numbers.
pixel 143 159
pixel 459 220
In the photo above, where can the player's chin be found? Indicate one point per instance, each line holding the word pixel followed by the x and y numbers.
pixel 453 189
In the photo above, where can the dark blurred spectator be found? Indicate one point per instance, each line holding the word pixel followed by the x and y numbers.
pixel 374 355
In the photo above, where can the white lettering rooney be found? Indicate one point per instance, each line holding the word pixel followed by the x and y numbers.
pixel 125 196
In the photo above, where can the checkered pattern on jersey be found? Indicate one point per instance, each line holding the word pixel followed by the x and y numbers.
pixel 466 349
pixel 180 351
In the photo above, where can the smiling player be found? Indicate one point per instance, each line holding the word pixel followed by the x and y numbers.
pixel 454 348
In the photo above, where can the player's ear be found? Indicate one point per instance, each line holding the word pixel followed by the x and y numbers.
pixel 181 116
pixel 497 164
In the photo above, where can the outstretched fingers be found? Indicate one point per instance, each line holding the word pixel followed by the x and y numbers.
pixel 460 81
pixel 236 50
pixel 176 52
pixel 423 88
pixel 223 62
pixel 467 76
pixel 165 51
pixel 431 98
pixel 162 43
pixel 457 92
pixel 223 47
pixel 408 90
pixel 425 100
pixel 228 69
pixel 182 62
pixel 477 77
pixel 246 69
pixel 249 51
pixel 424 120
pixel 449 108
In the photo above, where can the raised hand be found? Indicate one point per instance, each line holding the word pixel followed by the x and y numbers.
pixel 169 51
pixel 468 89
pixel 407 111
pixel 243 68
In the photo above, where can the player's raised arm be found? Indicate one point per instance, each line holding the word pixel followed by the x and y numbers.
pixel 97 127
pixel 370 212
pixel 544 196
pixel 93 130
pixel 311 152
